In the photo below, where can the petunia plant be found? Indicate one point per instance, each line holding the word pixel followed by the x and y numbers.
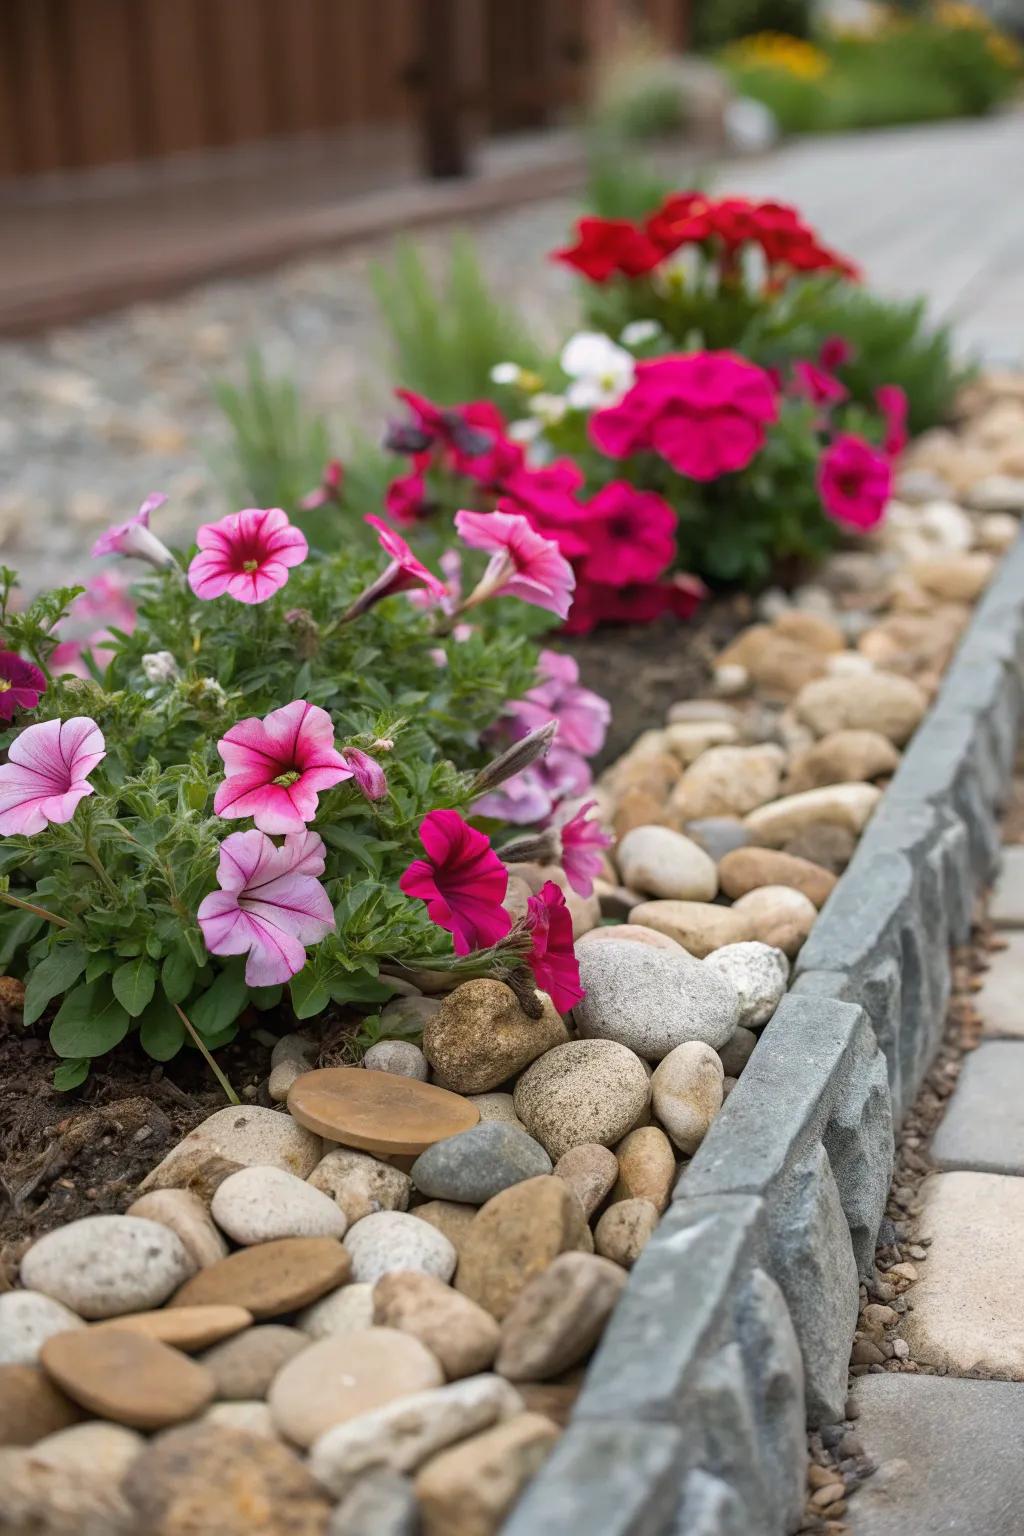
pixel 215 807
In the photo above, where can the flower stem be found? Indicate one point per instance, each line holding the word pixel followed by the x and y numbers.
pixel 28 906
pixel 231 1095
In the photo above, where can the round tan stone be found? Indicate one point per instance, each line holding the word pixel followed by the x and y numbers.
pixel 849 806
pixel 243 1367
pixel 481 1036
pixel 341 1377
pixel 728 781
pixel 184 1212
pixel 361 1184
pixel 449 1216
pixel 632 933
pixel 514 1237
pixel 378 1111
pixel 31 1405
pixel 590 1170
pixel 559 1317
pixel 842 757
pixel 957 578
pixel 781 917
pixel 583 1091
pixel 460 1333
pixel 810 629
pixel 468 1490
pixel 687 1088
pixel 185 1327
pixel 747 869
pixel 647 1167
pixel 247 1136
pixel 878 701
pixel 270 1278
pixel 624 1231
pixel 699 926
pixel 119 1374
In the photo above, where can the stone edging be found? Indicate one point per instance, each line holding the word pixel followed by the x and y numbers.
pixel 738 1318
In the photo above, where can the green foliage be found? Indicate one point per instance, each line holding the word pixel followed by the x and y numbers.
pixel 277 451
pixel 446 336
pixel 623 182
pixel 716 22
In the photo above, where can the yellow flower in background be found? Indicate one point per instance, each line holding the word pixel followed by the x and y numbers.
pixel 1006 52
pixel 777 50
pixel 958 15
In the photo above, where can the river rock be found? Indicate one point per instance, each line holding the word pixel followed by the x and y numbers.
pixel 403 1434
pixel 846 805
pixel 281 1078
pixel 687 739
pixel 728 781
pixel 186 1328
pixel 880 701
pixel 243 1367
pixel 661 862
pixel 699 926
pixel 737 1052
pixel 959 578
pixel 585 1090
pixel 687 1093
pixel 399 1056
pixel 842 757
pixel 460 1333
pixel 630 933
pixel 516 1236
pixel 392 1240
pixel 469 1489
pixel 31 1405
pixel 647 1166
pixel 270 1278
pixel 116 1373
pixel 252 1416
pixel 341 1377
pixel 624 1231
pixel 650 1000
pixel 360 1183
pixel 43 1498
pixel 184 1212
pixel 780 917
pixel 500 1106
pixel 748 869
pixel 686 710
pixel 102 1265
pixel 408 1014
pixel 101 1449
pixel 382 1503
pixel 448 1217
pixel 717 835
pixel 210 1478
pixel 256 1205
pixel 349 1309
pixel 779 665
pixel 27 1320
pixel 760 975
pixel 559 1317
pixel 476 1164
pixel 480 1036
pixel 823 843
pixel 247 1135
pixel 590 1170
pixel 810 629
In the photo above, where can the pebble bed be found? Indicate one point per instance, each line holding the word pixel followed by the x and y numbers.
pixel 352 1342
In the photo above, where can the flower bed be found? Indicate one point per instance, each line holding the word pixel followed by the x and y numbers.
pixel 382 1297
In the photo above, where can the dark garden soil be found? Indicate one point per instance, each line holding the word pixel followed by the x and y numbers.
pixel 66 1155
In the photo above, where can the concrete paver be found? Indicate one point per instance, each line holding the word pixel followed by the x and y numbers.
pixel 1006 907
pixel 983 1128
pixel 1000 1002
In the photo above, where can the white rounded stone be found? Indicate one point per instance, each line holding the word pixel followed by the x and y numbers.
pixel 27 1320
pixel 349 1309
pixel 661 862
pixel 760 975
pixel 102 1266
pixel 401 1057
pixel 389 1240
pixel 257 1205
pixel 652 1000
pixel 687 1093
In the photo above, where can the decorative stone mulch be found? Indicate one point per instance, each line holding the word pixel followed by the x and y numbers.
pixel 360 1321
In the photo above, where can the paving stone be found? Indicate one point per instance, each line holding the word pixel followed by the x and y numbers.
pixel 968 1302
pixel 983 1128
pixel 948 1454
pixel 1000 1002
pixel 1006 907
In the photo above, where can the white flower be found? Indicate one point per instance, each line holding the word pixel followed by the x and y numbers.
pixel 525 430
pixel 549 408
pixel 160 667
pixel 639 331
pixel 505 373
pixel 601 372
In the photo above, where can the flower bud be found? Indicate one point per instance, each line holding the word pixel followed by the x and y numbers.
pixel 160 667
pixel 514 759
pixel 544 847
pixel 307 632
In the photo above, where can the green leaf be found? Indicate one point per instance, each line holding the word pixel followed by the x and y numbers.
pixel 70 1073
pixel 265 997
pixel 99 965
pixel 89 1022
pixel 62 966
pixel 161 1032
pixel 134 985
pixel 309 994
pixel 178 974
pixel 361 987
pixel 220 1004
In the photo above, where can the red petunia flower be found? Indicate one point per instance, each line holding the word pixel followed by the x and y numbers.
pixel 854 482
pixel 21 684
pixel 462 881
pixel 632 535
pixel 608 247
pixel 553 959
pixel 598 603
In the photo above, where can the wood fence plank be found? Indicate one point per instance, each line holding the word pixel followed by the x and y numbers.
pixel 103 89
pixel 174 78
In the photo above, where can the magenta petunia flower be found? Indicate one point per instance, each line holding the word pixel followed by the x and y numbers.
pixel 893 404
pixel 632 535
pixel 133 538
pixel 583 838
pixel 47 774
pixel 275 767
pixel 818 385
pixel 21 684
pixel 367 772
pixel 402 573
pixel 553 958
pixel 247 555
pixel 522 564
pixel 854 482
pixel 462 881
pixel 270 904
pixel 329 489
pixel 406 498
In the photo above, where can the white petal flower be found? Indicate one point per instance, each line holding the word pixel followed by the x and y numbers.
pixel 639 331
pixel 548 408
pixel 160 667
pixel 601 371
pixel 505 373
pixel 525 430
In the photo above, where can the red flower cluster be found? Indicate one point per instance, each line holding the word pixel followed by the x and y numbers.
pixel 608 248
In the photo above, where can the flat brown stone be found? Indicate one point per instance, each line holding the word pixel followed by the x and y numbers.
pixel 31 1406
pixel 185 1327
pixel 122 1375
pixel 269 1278
pixel 378 1111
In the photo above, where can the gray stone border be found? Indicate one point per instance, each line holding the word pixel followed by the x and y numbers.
pixel 735 1328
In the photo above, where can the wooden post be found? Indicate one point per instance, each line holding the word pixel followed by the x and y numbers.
pixel 442 121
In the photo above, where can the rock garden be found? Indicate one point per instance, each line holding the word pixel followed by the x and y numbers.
pixel 298 827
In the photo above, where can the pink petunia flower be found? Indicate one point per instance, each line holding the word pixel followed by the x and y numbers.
pixel 133 538
pixel 367 772
pixel 632 535
pixel 583 716
pixel 854 482
pixel 86 631
pixel 583 838
pixel 818 385
pixel 553 959
pixel 247 555
pixel 522 563
pixel 402 573
pixel 893 404
pixel 406 498
pixel 270 904
pixel 21 684
pixel 47 774
pixel 328 492
pixel 275 767
pixel 835 353
pixel 462 881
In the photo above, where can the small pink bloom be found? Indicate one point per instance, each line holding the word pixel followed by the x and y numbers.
pixel 103 606
pixel 583 716
pixel 133 538
pixel 521 801
pixel 47 773
pixel 522 564
pixel 329 489
pixel 633 535
pixel 854 482
pixel 817 385
pixel 892 402
pixel 270 904
pixel 583 839
pixel 403 572
pixel 462 881
pixel 21 684
pixel 247 555
pixel 367 772
pixel 406 498
pixel 835 353
pixel 553 958
pixel 275 767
